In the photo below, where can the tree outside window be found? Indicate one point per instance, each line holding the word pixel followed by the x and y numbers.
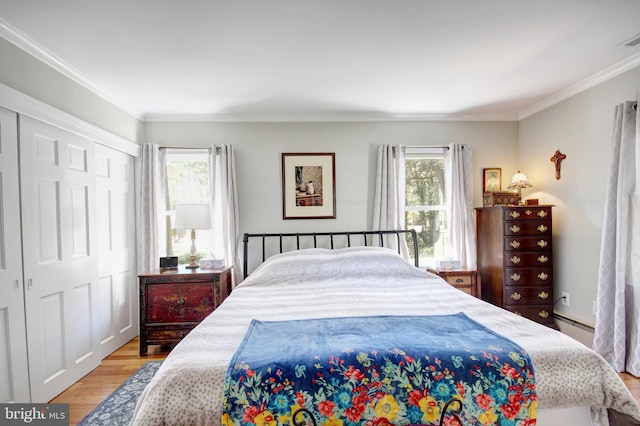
pixel 425 204
pixel 187 183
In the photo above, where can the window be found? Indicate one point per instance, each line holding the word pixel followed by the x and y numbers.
pixel 425 201
pixel 187 183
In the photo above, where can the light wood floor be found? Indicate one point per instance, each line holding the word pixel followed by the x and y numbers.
pixel 92 389
pixel 85 395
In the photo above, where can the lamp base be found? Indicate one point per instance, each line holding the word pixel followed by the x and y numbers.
pixel 192 266
pixel 192 261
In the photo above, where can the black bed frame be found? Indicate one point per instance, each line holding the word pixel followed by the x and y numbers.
pixel 365 238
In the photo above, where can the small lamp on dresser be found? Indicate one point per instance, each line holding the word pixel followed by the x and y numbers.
pixel 519 181
pixel 193 216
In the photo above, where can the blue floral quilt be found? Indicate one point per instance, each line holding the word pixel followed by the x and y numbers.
pixel 382 370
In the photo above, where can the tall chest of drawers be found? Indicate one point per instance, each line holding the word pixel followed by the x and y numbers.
pixel 515 259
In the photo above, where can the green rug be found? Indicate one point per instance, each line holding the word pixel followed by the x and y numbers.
pixel 117 408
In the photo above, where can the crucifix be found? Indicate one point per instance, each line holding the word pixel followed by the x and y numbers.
pixel 557 159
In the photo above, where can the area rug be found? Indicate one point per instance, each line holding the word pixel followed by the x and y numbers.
pixel 117 408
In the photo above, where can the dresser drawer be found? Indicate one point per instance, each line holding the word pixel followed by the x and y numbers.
pixel 541 313
pixel 528 213
pixel 530 227
pixel 515 296
pixel 525 259
pixel 528 276
pixel 168 335
pixel 527 243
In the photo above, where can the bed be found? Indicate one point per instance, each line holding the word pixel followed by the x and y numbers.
pixel 304 281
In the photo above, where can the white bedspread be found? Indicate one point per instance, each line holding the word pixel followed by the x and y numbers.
pixel 318 283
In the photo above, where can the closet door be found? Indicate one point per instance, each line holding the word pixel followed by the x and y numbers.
pixel 60 256
pixel 14 376
pixel 118 290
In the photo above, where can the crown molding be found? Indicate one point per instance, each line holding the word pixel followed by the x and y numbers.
pixel 588 83
pixel 324 117
pixel 15 37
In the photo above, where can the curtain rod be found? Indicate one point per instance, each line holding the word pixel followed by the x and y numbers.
pixel 190 147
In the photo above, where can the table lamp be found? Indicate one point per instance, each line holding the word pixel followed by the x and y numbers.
pixel 519 181
pixel 193 216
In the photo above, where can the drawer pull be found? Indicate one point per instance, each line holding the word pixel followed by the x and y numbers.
pixel 515 277
pixel 542 228
pixel 543 314
pixel 543 259
pixel 180 301
pixel 527 212
pixel 515 214
pixel 515 260
pixel 543 243
pixel 543 276
pixel 459 281
pixel 516 296
pixel 543 295
pixel 517 313
pixel 515 244
pixel 181 334
pixel 542 214
pixel 515 229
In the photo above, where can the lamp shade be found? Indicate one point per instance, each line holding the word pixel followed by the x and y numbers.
pixel 193 216
pixel 519 180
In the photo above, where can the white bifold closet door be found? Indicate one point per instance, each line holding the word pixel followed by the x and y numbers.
pixel 117 285
pixel 60 255
pixel 14 378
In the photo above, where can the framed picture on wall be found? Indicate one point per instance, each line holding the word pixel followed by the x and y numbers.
pixel 308 185
pixel 491 179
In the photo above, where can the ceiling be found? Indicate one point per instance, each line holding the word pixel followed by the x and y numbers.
pixel 329 59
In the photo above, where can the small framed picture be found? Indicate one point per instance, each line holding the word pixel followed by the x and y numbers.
pixel 308 185
pixel 491 179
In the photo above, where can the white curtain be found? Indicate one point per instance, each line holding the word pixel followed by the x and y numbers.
pixel 225 232
pixel 458 186
pixel 618 299
pixel 389 196
pixel 151 209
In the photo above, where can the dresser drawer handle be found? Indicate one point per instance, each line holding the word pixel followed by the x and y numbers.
pixel 543 314
pixel 181 334
pixel 515 229
pixel 517 313
pixel 543 276
pixel 543 295
pixel 515 244
pixel 515 214
pixel 180 301
pixel 516 296
pixel 515 277
pixel 543 243
pixel 543 259
pixel 527 212
pixel 515 260
pixel 542 228
pixel 542 214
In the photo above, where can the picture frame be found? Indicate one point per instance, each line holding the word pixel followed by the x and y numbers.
pixel 308 185
pixel 491 179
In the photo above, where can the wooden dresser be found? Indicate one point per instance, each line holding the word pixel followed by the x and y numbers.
pixel 173 302
pixel 515 259
pixel 462 279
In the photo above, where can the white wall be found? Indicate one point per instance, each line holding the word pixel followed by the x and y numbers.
pixel 28 75
pixel 579 127
pixel 258 147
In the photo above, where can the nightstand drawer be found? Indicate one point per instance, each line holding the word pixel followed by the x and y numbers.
pixel 179 302
pixel 467 281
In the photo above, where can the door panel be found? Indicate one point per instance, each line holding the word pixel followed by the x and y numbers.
pixel 117 267
pixel 61 267
pixel 14 376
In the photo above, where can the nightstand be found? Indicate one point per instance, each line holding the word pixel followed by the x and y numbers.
pixel 462 279
pixel 173 302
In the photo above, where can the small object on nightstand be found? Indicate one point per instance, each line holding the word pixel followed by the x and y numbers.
pixel 463 279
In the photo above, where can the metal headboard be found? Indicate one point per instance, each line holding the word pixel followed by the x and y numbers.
pixel 367 238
